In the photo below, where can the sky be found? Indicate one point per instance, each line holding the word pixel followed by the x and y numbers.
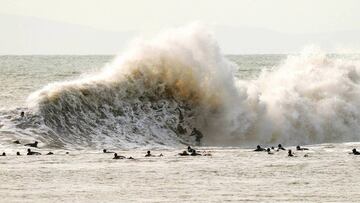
pixel 298 22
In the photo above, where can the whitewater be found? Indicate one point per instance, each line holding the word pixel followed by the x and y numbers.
pixel 152 96
pixel 157 91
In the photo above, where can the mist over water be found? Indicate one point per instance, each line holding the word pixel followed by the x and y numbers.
pixel 155 93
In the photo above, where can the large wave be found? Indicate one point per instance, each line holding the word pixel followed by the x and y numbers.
pixel 158 91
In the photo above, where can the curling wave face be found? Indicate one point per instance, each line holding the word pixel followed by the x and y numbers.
pixel 153 95
pixel 158 91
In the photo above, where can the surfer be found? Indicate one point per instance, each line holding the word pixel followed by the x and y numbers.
pixel 16 142
pixel 290 153
pixel 189 149
pixel 18 154
pixel 194 153
pixel 22 114
pixel 32 144
pixel 148 154
pixel 105 151
pixel 280 147
pixel 184 153
pixel 3 154
pixel 259 149
pixel 119 157
pixel 32 152
pixel 301 148
pixel 355 152
pixel 49 153
pixel 268 151
pixel 198 135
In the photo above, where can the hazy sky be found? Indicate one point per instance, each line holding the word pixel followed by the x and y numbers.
pixel 294 17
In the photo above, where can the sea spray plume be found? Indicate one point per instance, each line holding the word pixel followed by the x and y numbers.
pixel 133 101
pixel 309 98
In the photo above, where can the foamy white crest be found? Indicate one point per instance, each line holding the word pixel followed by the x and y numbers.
pixel 310 98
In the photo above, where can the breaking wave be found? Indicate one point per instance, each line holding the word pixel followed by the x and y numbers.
pixel 158 91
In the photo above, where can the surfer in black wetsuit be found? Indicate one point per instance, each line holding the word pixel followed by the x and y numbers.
pixel 184 153
pixel 49 153
pixel 16 142
pixel 22 114
pixel 268 151
pixel 105 151
pixel 280 147
pixel 32 152
pixel 148 154
pixel 119 157
pixel 355 152
pixel 198 135
pixel 18 154
pixel 259 149
pixel 32 144
pixel 3 154
pixel 301 148
pixel 189 149
pixel 194 153
pixel 290 153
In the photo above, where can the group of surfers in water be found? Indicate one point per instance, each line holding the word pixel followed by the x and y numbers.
pixel 290 153
pixel 189 152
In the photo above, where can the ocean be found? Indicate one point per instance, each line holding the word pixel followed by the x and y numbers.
pixel 152 96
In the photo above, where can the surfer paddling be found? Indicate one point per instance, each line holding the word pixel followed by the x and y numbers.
pixel 259 149
pixel 116 156
pixel 105 151
pixel 355 152
pixel 32 152
pixel 280 147
pixel 301 148
pixel 32 144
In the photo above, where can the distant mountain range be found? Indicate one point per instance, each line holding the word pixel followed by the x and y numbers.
pixel 29 35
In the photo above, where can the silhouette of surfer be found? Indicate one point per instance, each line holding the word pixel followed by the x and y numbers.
pixel 184 153
pixel 3 154
pixel 105 151
pixel 290 153
pixel 355 152
pixel 22 114
pixel 18 154
pixel 194 153
pixel 280 147
pixel 268 151
pixel 189 149
pixel 301 148
pixel 16 142
pixel 119 157
pixel 148 154
pixel 32 144
pixel 259 149
pixel 32 152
